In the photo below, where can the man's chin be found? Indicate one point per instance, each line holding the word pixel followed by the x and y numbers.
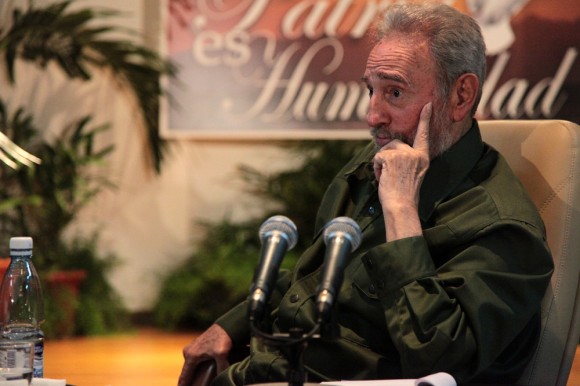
pixel 380 142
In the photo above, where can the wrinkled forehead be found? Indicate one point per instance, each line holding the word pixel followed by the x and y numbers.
pixel 402 54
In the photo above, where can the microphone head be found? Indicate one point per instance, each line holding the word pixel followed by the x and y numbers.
pixel 343 226
pixel 283 225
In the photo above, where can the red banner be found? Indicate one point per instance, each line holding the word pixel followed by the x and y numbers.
pixel 291 69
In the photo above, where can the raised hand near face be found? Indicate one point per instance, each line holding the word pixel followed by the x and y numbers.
pixel 400 169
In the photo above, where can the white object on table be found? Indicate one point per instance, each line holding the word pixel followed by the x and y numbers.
pixel 47 382
pixel 437 379
pixel 14 382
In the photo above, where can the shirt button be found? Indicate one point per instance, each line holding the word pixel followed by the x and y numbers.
pixel 372 289
pixel 294 298
pixel 371 210
pixel 369 263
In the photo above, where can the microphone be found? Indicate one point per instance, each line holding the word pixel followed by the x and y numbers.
pixel 341 236
pixel 278 234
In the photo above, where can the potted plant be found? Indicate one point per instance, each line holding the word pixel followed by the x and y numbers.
pixel 42 200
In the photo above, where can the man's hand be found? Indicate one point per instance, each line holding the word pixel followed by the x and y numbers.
pixel 400 169
pixel 214 344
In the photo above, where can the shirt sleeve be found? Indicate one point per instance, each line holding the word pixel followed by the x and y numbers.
pixel 461 316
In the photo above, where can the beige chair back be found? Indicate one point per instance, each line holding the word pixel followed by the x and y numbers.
pixel 545 155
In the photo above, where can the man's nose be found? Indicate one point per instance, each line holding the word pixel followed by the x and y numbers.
pixel 377 114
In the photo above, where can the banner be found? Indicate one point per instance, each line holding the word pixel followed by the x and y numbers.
pixel 292 69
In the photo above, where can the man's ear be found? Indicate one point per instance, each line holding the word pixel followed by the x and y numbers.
pixel 463 96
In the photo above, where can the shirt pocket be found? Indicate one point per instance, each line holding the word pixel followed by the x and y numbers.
pixel 362 283
pixel 361 315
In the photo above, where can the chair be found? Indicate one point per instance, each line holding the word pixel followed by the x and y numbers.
pixel 545 156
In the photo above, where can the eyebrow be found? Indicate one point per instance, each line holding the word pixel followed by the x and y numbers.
pixel 386 76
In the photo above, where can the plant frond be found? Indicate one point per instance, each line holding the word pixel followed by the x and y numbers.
pixel 53 33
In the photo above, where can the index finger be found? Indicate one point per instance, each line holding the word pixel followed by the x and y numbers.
pixel 421 141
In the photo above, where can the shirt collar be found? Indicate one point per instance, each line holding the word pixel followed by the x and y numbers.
pixel 448 170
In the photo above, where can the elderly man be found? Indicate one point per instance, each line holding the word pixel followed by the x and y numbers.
pixel 454 261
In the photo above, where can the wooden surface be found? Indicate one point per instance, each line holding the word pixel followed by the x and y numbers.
pixel 145 358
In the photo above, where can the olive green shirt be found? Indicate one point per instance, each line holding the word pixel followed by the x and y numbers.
pixel 463 298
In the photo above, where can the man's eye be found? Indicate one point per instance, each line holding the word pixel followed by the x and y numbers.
pixel 396 93
pixel 370 91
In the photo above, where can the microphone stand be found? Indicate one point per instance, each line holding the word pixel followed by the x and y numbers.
pixel 296 342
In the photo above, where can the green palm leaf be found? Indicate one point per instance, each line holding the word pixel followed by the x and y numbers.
pixel 54 34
